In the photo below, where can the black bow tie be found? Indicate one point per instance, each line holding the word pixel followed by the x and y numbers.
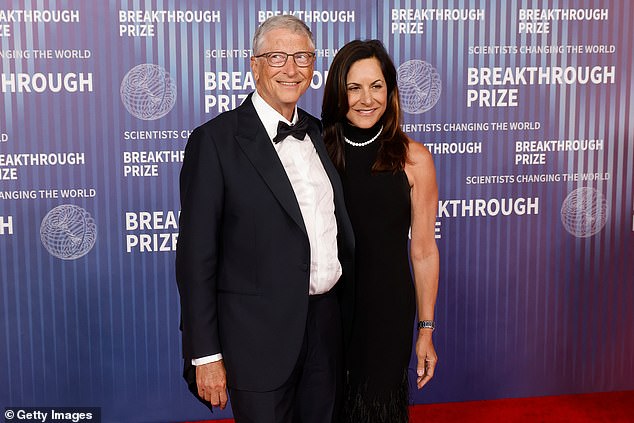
pixel 296 131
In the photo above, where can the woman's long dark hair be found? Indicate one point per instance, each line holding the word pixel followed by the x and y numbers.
pixel 392 154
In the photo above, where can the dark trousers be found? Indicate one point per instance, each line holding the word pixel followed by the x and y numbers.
pixel 313 392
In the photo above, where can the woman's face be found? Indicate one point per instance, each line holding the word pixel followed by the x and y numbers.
pixel 367 93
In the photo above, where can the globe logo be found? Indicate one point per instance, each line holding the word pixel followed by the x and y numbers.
pixel 68 232
pixel 584 212
pixel 419 86
pixel 148 92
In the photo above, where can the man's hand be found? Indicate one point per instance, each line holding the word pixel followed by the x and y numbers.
pixel 211 379
pixel 427 357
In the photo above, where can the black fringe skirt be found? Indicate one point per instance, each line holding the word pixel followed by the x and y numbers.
pixel 363 406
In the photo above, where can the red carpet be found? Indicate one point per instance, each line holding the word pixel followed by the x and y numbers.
pixel 599 407
pixel 608 407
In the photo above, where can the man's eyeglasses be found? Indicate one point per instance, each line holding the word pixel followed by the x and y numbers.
pixel 277 59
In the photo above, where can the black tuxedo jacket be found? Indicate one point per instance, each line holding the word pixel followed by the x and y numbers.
pixel 243 255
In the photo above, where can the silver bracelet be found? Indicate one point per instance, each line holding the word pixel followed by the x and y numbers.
pixel 427 324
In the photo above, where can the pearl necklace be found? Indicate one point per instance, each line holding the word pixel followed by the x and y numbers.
pixel 362 144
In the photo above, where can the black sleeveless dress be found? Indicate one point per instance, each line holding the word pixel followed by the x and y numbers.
pixel 383 323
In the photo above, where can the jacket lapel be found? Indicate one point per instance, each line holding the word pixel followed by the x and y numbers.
pixel 315 136
pixel 255 143
pixel 343 221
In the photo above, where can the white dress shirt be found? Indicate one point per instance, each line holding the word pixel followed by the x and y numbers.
pixel 315 197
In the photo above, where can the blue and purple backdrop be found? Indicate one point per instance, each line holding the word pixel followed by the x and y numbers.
pixel 526 105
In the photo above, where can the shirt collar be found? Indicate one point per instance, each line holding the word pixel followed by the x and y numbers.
pixel 269 116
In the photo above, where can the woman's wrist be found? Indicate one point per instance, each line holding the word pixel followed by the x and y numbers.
pixel 428 325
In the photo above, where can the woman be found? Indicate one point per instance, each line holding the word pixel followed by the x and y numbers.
pixel 390 186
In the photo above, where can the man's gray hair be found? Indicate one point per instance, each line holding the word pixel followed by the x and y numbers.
pixel 289 22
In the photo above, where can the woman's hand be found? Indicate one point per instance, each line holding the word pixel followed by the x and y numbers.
pixel 427 357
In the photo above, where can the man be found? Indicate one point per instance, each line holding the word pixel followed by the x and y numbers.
pixel 263 240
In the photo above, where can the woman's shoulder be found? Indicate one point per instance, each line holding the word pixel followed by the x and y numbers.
pixel 419 168
pixel 418 155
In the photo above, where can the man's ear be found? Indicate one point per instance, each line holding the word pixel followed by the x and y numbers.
pixel 254 69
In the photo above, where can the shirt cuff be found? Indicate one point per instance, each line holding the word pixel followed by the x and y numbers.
pixel 207 359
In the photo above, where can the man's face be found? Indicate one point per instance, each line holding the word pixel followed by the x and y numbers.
pixel 281 87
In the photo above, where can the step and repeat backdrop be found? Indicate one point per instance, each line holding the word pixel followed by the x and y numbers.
pixel 527 107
